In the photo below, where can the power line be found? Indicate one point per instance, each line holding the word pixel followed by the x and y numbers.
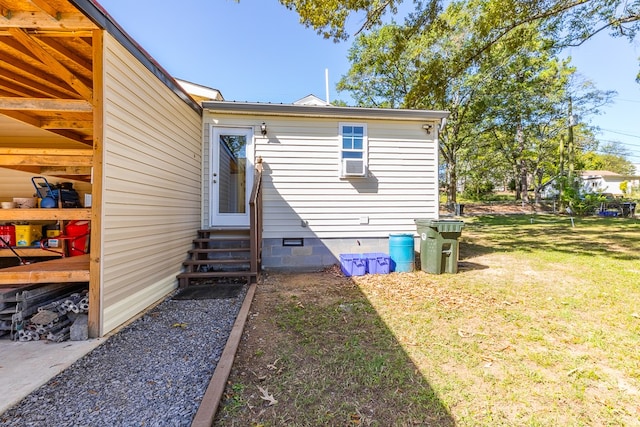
pixel 620 133
pixel 628 100
pixel 615 141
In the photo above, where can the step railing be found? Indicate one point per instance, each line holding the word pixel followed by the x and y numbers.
pixel 255 219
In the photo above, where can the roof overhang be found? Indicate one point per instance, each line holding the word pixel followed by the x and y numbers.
pixel 316 111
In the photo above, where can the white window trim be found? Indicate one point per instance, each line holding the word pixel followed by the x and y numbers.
pixel 365 149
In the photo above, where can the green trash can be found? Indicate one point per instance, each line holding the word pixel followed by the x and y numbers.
pixel 439 245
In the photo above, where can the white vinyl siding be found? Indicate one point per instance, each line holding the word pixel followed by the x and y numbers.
pixel 305 197
pixel 151 186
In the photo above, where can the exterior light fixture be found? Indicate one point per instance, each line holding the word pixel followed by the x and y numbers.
pixel 427 128
pixel 263 129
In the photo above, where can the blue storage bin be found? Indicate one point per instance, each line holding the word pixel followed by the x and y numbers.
pixel 353 265
pixel 377 263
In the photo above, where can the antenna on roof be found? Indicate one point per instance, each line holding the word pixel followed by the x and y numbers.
pixel 326 83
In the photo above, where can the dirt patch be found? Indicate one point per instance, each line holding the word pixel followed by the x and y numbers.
pixel 315 352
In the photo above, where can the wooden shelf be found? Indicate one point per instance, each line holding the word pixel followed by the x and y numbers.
pixel 30 251
pixel 45 214
pixel 71 269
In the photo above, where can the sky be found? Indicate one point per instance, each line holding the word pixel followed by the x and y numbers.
pixel 257 51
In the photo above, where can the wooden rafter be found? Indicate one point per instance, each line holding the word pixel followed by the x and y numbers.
pixel 27 86
pixel 47 8
pixel 72 135
pixel 42 104
pixel 20 116
pixel 66 124
pixel 65 74
pixel 34 20
pixel 46 157
pixel 56 45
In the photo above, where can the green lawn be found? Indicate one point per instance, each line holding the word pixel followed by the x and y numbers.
pixel 540 327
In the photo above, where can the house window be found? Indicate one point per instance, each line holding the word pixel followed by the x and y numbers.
pixel 353 149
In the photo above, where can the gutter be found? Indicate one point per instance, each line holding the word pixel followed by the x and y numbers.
pixel 317 111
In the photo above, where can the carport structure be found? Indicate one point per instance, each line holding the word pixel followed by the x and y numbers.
pixel 81 101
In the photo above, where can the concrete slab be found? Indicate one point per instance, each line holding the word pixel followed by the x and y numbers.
pixel 25 366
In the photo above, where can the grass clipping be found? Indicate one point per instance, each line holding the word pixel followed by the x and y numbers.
pixel 531 331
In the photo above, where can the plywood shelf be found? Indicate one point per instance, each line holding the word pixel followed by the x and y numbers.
pixel 71 269
pixel 26 252
pixel 45 214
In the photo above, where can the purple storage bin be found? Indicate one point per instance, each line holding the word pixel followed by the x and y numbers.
pixel 353 265
pixel 377 263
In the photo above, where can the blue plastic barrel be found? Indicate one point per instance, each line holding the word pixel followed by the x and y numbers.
pixel 401 252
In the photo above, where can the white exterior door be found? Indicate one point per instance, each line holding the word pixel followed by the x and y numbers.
pixel 232 176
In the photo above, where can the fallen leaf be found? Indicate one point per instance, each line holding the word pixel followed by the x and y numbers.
pixel 636 315
pixel 179 325
pixel 273 366
pixel 266 396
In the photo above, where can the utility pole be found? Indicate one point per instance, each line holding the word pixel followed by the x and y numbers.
pixel 561 176
pixel 570 148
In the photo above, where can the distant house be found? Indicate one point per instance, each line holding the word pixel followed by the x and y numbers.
pixel 601 181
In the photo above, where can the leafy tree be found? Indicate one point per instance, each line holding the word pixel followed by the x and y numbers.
pixel 576 20
pixel 608 161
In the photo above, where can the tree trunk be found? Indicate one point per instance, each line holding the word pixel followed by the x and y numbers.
pixel 452 183
pixel 523 165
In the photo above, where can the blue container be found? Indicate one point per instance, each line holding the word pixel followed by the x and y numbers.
pixel 353 265
pixel 401 252
pixel 377 263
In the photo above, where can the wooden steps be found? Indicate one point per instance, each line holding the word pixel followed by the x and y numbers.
pixel 219 254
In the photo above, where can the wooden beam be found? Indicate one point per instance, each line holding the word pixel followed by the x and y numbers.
pixel 34 170
pixel 44 104
pixel 69 77
pixel 47 8
pixel 72 269
pixel 45 214
pixel 83 139
pixel 21 160
pixel 55 44
pixel 42 21
pixel 63 152
pixel 22 117
pixel 52 33
pixel 28 87
pixel 96 320
pixel 53 87
pixel 65 170
pixel 66 124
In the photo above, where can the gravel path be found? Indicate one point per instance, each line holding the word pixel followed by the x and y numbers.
pixel 152 373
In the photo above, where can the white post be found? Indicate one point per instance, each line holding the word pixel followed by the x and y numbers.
pixel 326 83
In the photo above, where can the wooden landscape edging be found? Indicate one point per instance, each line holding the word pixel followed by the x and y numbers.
pixel 211 399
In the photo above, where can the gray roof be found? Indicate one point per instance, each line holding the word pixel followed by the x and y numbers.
pixel 322 111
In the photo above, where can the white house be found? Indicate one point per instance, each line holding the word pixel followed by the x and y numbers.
pixel 602 181
pixel 336 179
